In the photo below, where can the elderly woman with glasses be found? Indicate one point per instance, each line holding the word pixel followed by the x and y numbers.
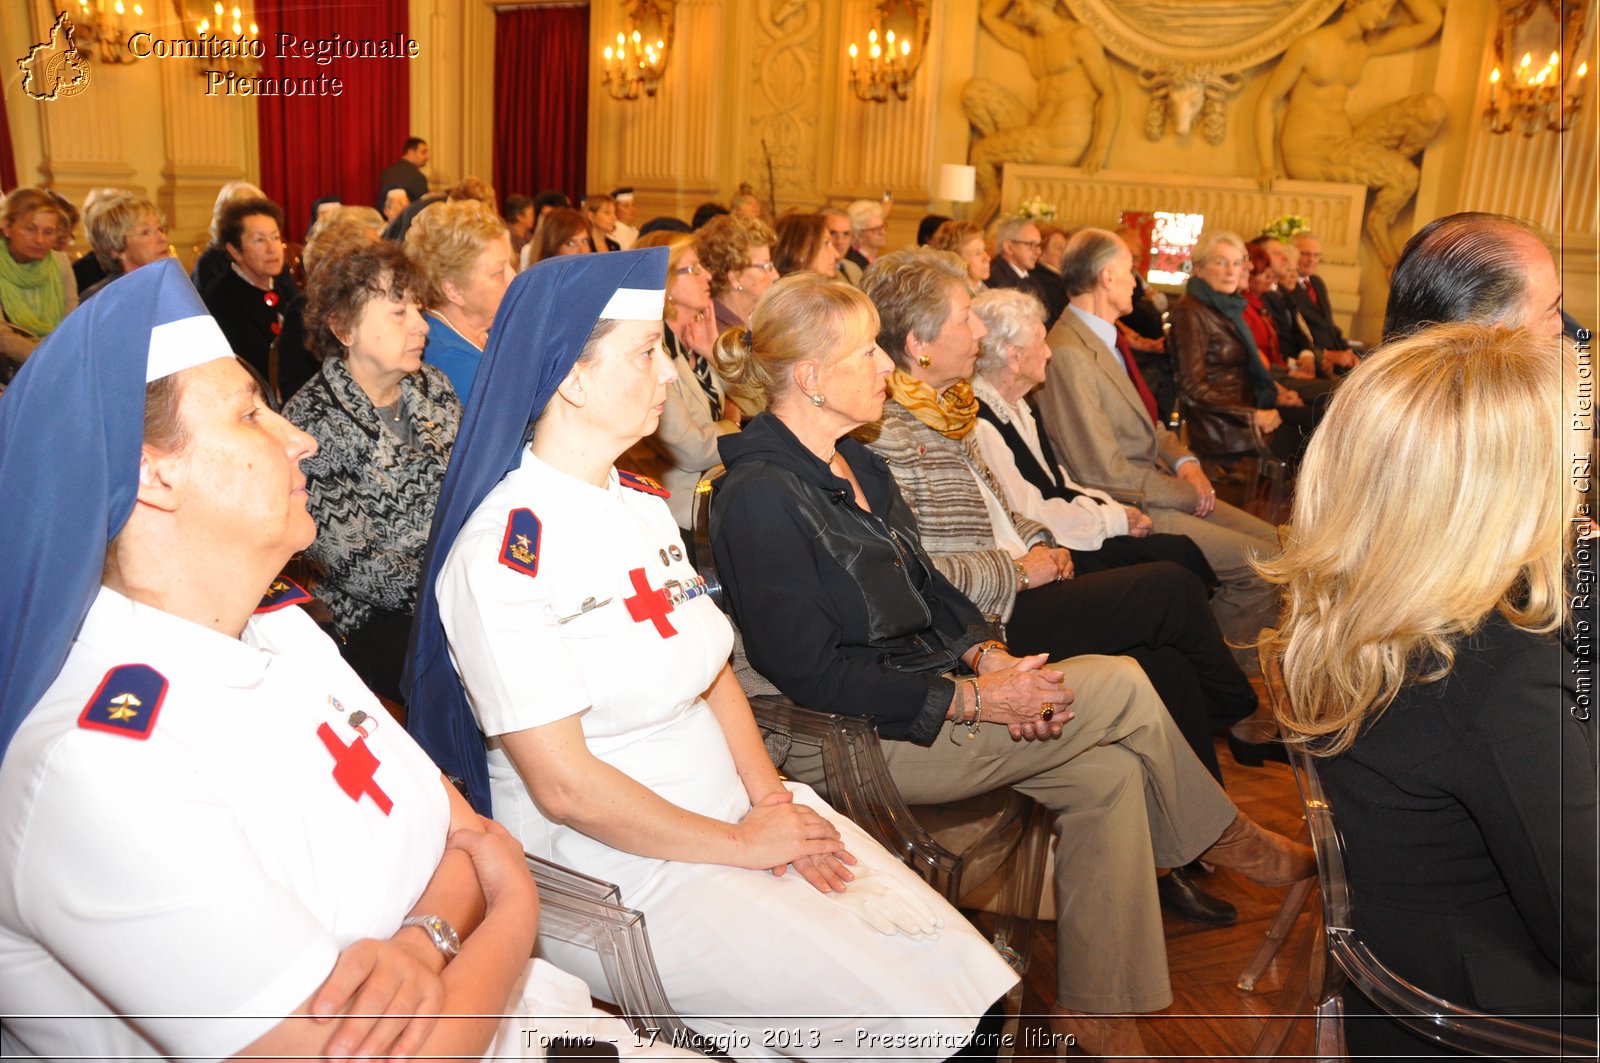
pixel 126 232
pixel 1220 369
pixel 737 251
pixel 698 411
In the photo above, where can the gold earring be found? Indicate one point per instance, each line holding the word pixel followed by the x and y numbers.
pixel 924 361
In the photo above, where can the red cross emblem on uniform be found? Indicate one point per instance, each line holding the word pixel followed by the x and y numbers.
pixel 652 604
pixel 353 766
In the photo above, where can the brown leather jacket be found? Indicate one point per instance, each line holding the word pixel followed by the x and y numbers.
pixel 1213 376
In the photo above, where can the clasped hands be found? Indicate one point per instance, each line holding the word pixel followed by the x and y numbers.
pixel 778 823
pixel 1046 564
pixel 1016 690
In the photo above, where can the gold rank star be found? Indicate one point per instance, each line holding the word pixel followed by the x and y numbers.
pixel 124 707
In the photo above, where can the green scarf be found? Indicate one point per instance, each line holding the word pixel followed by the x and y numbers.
pixel 31 294
pixel 1231 306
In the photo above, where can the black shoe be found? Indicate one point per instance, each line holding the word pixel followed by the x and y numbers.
pixel 1180 895
pixel 1254 754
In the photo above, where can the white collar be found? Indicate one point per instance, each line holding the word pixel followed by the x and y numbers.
pixel 1105 331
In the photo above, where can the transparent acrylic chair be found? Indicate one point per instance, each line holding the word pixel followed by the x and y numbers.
pixel 1344 958
pixel 585 912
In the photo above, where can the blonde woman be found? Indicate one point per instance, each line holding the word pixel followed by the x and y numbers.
pixel 1432 664
pixel 462 250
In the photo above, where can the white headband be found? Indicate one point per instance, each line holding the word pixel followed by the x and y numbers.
pixel 636 304
pixel 185 343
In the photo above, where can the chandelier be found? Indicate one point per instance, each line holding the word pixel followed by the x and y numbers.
pixel 638 60
pixel 889 62
pixel 105 28
pixel 1543 97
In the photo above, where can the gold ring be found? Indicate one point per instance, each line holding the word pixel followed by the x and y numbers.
pixel 1047 712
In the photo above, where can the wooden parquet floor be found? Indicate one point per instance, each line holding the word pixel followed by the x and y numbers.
pixel 1210 1018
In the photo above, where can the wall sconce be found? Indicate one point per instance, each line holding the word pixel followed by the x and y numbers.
pixel 638 59
pixel 895 43
pixel 105 27
pixel 1530 96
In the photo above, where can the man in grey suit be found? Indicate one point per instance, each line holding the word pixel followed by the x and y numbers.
pixel 1106 430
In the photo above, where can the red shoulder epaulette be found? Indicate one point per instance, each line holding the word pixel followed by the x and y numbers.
pixel 642 483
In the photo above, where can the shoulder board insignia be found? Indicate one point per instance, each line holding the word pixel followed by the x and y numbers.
pixel 283 592
pixel 127 702
pixel 642 483
pixel 520 548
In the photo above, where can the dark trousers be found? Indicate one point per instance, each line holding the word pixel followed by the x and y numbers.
pixel 377 651
pixel 1157 614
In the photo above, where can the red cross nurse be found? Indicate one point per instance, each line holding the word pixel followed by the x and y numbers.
pixel 214 841
pixel 618 740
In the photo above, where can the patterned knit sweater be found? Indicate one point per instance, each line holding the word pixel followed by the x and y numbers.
pixel 372 494
pixel 939 478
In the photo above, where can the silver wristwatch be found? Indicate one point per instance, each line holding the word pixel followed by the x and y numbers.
pixel 439 930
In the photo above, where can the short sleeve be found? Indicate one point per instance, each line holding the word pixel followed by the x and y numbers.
pixel 152 895
pixel 504 641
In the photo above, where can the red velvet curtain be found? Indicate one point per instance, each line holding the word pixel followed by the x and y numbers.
pixel 8 158
pixel 541 100
pixel 322 145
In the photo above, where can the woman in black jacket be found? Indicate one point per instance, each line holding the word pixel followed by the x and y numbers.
pixel 842 609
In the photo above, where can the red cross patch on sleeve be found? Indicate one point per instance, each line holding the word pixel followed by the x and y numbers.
pixel 642 483
pixel 127 702
pixel 519 549
pixel 283 592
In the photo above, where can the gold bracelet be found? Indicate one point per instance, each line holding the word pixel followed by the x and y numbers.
pixel 1022 575
pixel 977 716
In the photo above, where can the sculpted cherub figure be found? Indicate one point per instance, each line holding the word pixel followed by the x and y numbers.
pixel 1320 142
pixel 1078 100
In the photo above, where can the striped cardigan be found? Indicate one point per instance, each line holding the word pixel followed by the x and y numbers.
pixel 939 478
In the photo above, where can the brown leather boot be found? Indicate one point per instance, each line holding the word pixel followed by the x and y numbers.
pixel 1112 1037
pixel 1260 855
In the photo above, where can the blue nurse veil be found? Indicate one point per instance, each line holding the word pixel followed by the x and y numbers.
pixel 71 428
pixel 544 320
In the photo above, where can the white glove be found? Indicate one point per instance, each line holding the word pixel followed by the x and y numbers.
pixel 889 906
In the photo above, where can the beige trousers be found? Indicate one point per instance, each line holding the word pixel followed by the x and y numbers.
pixel 1128 796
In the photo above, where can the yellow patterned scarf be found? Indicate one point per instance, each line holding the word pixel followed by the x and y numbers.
pixel 952 413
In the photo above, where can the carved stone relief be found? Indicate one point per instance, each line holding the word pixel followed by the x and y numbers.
pixel 1162 38
pixel 787 57
pixel 1076 116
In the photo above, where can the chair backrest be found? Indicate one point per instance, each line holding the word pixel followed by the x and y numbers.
pixel 1430 1016
pixel 588 913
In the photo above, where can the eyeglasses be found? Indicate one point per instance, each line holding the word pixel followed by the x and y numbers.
pixel 689 271
pixel 1031 245
pixel 875 229
pixel 765 267
pixel 263 239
